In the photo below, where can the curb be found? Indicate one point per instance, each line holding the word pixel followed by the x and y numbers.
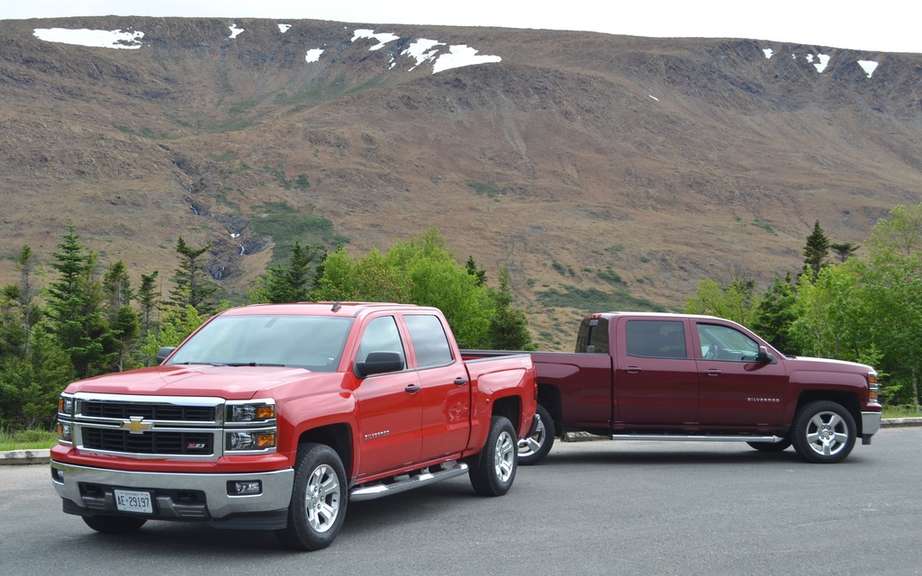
pixel 19 457
pixel 900 422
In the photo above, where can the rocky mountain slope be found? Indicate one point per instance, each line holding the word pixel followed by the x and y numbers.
pixel 604 171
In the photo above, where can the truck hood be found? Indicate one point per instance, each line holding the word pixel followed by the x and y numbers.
pixel 828 365
pixel 231 383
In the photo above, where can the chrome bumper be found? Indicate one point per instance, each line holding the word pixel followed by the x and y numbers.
pixel 870 423
pixel 276 491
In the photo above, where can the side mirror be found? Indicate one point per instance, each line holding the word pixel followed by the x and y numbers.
pixel 379 363
pixel 764 357
pixel 163 352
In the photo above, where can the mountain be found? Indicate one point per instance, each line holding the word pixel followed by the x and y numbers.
pixel 605 171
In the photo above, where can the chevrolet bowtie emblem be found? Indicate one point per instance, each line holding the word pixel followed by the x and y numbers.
pixel 136 425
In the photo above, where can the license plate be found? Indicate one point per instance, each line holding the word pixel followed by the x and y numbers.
pixel 131 501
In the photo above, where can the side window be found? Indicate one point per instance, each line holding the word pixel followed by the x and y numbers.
pixel 429 340
pixel 381 335
pixel 593 336
pixel 656 338
pixel 725 343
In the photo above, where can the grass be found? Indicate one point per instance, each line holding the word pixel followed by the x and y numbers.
pixel 487 189
pixel 764 226
pixel 27 440
pixel 286 225
pixel 595 300
pixel 901 412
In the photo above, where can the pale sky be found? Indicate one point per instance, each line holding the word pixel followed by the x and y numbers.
pixel 871 25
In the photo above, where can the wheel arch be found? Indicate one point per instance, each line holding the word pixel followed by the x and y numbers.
pixel 848 399
pixel 549 397
pixel 337 436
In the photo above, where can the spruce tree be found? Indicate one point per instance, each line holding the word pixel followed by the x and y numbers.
pixel 147 299
pixel 844 250
pixel 479 274
pixel 508 326
pixel 117 288
pixel 776 314
pixel 816 251
pixel 288 283
pixel 191 284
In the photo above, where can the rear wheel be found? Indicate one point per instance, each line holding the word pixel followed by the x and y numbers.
pixel 114 524
pixel 771 446
pixel 493 470
pixel 319 499
pixel 536 445
pixel 824 432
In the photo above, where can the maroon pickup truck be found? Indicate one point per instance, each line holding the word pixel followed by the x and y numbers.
pixel 676 377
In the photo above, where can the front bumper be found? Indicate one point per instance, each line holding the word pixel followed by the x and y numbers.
pixel 870 424
pixel 176 496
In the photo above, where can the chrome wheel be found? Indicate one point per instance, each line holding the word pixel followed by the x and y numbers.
pixel 504 456
pixel 533 443
pixel 827 433
pixel 322 499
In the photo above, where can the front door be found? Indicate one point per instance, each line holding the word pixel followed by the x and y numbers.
pixel 736 391
pixel 389 412
pixel 445 394
pixel 656 381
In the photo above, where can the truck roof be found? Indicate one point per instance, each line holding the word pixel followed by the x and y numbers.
pixel 347 309
pixel 658 315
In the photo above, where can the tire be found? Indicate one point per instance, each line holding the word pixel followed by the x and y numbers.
pixel 492 472
pixel 114 524
pixel 319 499
pixel 535 447
pixel 771 446
pixel 824 432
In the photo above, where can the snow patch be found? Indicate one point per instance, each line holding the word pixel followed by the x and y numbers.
pixel 823 62
pixel 234 31
pixel 869 66
pixel 768 53
pixel 382 37
pixel 809 57
pixel 283 28
pixel 794 56
pixel 461 55
pixel 92 38
pixel 421 50
pixel 313 55
pixel 654 98
pixel 235 235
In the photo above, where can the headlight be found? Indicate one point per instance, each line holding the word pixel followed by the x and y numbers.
pixel 66 405
pixel 65 431
pixel 255 440
pixel 250 412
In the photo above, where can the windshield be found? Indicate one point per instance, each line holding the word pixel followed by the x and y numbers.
pixel 311 342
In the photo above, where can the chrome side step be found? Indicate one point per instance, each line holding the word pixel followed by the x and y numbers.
pixel 696 438
pixel 407 482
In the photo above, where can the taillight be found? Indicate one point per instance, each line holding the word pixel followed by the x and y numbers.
pixel 873 387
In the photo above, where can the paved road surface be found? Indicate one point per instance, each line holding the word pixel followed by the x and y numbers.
pixel 597 508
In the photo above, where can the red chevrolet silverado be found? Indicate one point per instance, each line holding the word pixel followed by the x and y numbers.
pixel 278 416
pixel 673 377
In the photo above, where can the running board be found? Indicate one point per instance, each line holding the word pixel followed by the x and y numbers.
pixel 697 438
pixel 407 482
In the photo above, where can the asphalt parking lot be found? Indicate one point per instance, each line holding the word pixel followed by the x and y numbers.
pixel 590 508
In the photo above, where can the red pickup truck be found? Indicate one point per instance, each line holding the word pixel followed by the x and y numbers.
pixel 278 416
pixel 673 377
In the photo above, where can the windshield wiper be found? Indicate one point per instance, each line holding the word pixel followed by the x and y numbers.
pixel 235 364
pixel 205 363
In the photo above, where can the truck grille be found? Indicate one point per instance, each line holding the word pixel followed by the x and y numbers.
pixel 191 443
pixel 98 409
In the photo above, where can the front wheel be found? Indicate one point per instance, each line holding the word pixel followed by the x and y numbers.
pixel 493 470
pixel 536 445
pixel 114 524
pixel 318 500
pixel 824 432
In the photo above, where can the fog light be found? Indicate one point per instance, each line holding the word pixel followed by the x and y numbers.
pixel 244 487
pixel 57 476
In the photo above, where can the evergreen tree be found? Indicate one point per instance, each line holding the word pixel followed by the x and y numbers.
pixel 508 326
pixel 125 330
pixel 844 250
pixel 117 288
pixel 191 285
pixel 816 251
pixel 478 273
pixel 289 283
pixel 147 299
pixel 775 315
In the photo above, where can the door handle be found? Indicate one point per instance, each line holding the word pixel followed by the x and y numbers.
pixel 632 370
pixel 712 372
pixel 460 381
pixel 412 389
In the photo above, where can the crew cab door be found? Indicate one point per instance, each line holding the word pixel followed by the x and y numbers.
pixel 389 411
pixel 735 390
pixel 445 395
pixel 656 379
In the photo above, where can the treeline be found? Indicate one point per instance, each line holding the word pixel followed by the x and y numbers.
pixel 859 305
pixel 90 319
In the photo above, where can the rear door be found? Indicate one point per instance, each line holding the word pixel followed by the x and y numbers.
pixel 389 411
pixel 445 395
pixel 656 379
pixel 736 391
